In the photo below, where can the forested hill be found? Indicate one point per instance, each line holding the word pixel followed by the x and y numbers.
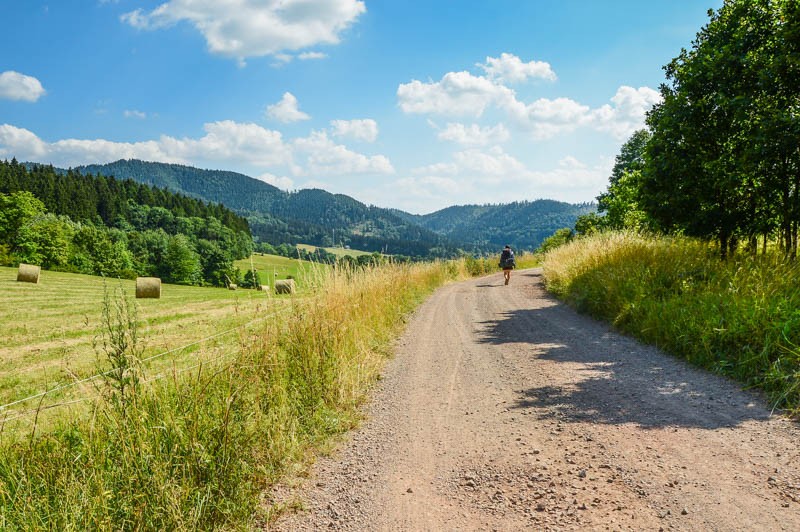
pixel 234 190
pixel 523 224
pixel 310 216
pixel 93 224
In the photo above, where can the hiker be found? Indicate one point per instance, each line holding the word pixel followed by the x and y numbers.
pixel 507 263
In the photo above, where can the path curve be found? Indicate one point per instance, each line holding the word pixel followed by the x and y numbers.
pixel 505 410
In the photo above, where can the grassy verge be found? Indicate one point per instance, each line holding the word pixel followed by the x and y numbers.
pixel 740 318
pixel 194 448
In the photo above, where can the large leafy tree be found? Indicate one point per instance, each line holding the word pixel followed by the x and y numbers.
pixel 723 158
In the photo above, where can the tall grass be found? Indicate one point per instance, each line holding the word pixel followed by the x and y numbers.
pixel 194 449
pixel 740 318
pixel 487 265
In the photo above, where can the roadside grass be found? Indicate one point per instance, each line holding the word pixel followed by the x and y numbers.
pixel 739 318
pixel 489 265
pixel 196 447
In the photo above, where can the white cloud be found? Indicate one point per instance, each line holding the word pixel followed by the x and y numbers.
pixel 462 93
pixel 16 86
pixel 253 28
pixel 494 162
pixel 628 112
pixel 365 129
pixel 281 182
pixel 546 118
pixel 305 56
pixel 474 135
pixel 481 176
pixel 225 143
pixel 133 113
pixel 510 68
pixel 458 93
pixel 324 157
pixel 286 110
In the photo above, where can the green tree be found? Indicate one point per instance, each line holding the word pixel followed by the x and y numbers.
pixel 723 159
pixel 181 263
pixel 17 210
pixel 621 200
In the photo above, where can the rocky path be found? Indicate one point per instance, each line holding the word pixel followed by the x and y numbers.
pixel 505 410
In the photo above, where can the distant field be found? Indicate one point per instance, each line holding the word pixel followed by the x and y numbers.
pixel 49 330
pixel 339 252
pixel 277 267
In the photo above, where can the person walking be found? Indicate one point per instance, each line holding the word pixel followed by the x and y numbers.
pixel 507 263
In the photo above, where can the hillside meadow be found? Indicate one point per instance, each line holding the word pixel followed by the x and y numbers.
pixel 191 444
pixel 271 267
pixel 738 317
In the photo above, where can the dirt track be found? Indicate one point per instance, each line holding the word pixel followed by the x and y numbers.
pixel 505 410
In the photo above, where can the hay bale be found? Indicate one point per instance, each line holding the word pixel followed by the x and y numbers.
pixel 232 286
pixel 28 273
pixel 284 286
pixel 148 288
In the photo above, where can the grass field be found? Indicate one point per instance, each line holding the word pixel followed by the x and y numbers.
pixel 339 252
pixel 50 331
pixel 194 450
pixel 270 267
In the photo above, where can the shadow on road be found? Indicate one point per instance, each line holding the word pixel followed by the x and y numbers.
pixel 588 373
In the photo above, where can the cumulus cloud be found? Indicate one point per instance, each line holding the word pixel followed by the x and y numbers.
pixel 474 135
pixel 255 28
pixel 281 182
pixel 286 110
pixel 627 112
pixel 16 86
pixel 365 130
pixel 510 68
pixel 463 94
pixel 224 142
pixel 456 94
pixel 323 157
pixel 467 177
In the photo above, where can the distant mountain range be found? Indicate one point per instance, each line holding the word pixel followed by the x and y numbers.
pixel 317 217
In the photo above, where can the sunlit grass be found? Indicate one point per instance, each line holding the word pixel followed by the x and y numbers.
pixel 194 447
pixel 740 318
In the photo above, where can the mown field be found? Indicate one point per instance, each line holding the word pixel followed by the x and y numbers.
pixel 52 332
pixel 338 251
pixel 271 267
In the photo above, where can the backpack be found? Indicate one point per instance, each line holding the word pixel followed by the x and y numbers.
pixel 507 259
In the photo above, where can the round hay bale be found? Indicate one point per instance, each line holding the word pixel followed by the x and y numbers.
pixel 28 273
pixel 232 286
pixel 284 286
pixel 148 288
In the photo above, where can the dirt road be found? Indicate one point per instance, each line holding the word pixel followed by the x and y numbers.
pixel 505 410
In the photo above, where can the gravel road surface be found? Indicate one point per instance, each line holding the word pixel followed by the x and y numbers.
pixel 505 410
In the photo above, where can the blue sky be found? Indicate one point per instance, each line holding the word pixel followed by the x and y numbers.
pixel 410 104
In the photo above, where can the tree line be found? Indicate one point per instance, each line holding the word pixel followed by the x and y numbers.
pixel 720 158
pixel 102 226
